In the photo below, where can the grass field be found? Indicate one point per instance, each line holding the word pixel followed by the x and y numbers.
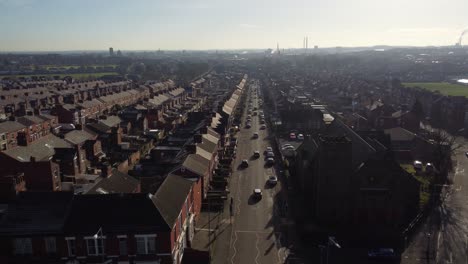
pixel 74 75
pixel 77 66
pixel 443 87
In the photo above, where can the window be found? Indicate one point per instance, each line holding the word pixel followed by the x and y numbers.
pixel 50 245
pixel 180 222
pixel 145 244
pixel 4 146
pixel 71 246
pixel 3 137
pixel 94 246
pixel 123 246
pixel 23 246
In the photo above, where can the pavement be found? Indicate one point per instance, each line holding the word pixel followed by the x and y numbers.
pixel 253 234
pixel 443 237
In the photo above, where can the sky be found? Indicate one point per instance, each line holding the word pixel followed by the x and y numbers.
pixel 60 25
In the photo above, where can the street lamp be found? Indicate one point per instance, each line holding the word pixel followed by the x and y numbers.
pixel 99 234
pixel 331 242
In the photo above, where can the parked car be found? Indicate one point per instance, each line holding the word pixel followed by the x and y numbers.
pixel 263 126
pixel 288 147
pixel 270 161
pixel 300 137
pixel 417 165
pixel 245 163
pixel 292 136
pixel 257 194
pixel 255 135
pixel 248 125
pixel 270 154
pixel 256 154
pixel 381 253
pixel 272 180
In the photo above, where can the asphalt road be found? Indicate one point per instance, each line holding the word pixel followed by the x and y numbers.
pixel 253 238
pixel 443 238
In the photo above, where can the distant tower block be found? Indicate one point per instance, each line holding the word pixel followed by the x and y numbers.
pixel 111 51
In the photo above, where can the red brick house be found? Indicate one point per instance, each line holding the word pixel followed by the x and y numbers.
pixel 137 227
pixel 35 161
pixel 9 133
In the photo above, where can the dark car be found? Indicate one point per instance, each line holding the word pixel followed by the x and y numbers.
pixel 381 253
pixel 257 194
pixel 245 163
pixel 256 154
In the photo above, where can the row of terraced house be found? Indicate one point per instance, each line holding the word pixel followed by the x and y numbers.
pixel 82 191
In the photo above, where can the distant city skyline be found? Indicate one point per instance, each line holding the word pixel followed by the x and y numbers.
pixel 61 25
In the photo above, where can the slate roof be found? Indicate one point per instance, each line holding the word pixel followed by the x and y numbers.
pixel 177 92
pixel 117 183
pixel 114 213
pixel 30 120
pixel 170 197
pixel 111 121
pixel 89 104
pixel 98 127
pixel 78 136
pixel 196 164
pixel 400 134
pixel 361 149
pixel 42 149
pixel 39 213
pixel 208 145
pixel 213 133
pixel 10 126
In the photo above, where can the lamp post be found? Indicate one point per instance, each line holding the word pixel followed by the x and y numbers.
pixel 331 242
pixel 99 235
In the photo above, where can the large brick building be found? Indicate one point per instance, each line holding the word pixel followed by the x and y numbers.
pixel 60 226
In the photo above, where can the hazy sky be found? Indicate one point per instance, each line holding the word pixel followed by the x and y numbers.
pixel 221 24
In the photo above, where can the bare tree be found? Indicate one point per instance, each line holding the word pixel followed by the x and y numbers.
pixel 445 147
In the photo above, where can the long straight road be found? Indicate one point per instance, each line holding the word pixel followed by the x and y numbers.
pixel 253 238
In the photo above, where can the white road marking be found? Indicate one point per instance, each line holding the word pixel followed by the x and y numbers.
pixel 258 250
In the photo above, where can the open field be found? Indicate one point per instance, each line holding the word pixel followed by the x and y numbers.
pixel 76 66
pixel 443 87
pixel 74 75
